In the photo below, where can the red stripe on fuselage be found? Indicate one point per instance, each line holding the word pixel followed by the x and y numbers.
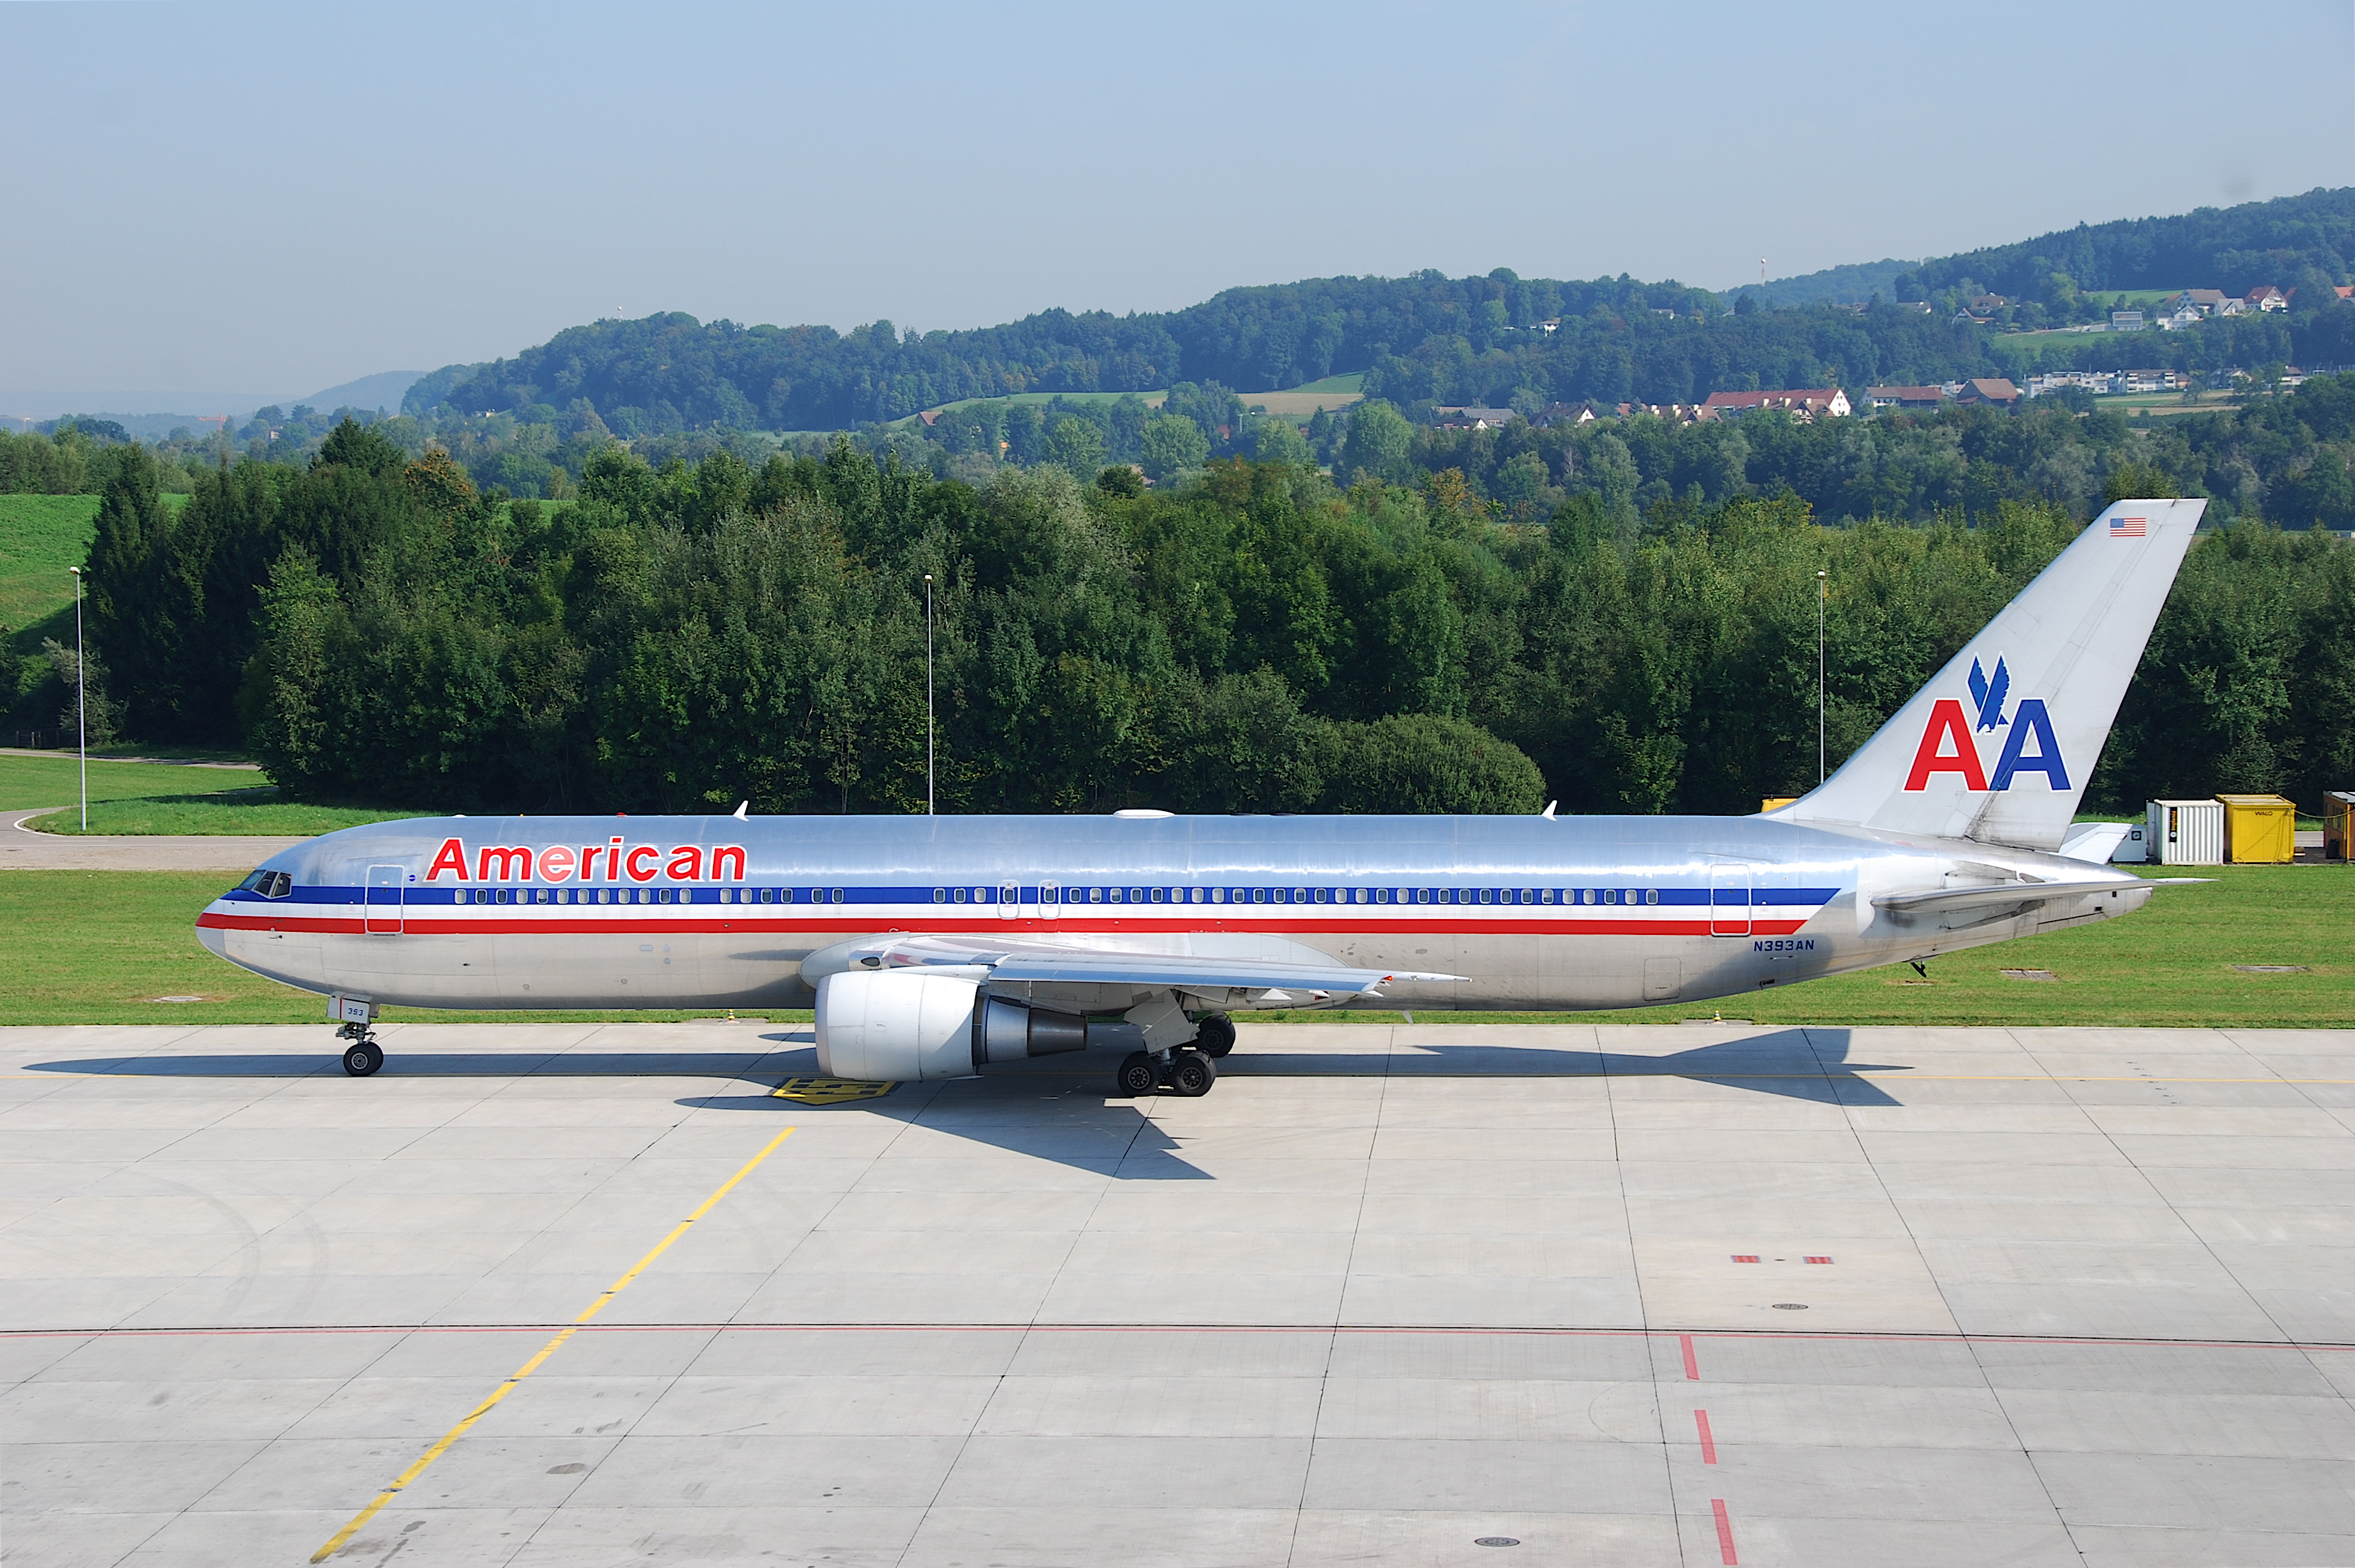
pixel 569 924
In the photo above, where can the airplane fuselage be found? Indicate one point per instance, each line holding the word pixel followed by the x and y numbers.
pixel 717 911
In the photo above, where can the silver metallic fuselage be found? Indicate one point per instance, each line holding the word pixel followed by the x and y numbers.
pixel 1534 912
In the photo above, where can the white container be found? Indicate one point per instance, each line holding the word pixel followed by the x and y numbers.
pixel 2186 832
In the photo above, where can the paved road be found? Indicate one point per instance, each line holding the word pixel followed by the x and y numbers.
pixel 22 849
pixel 1625 1296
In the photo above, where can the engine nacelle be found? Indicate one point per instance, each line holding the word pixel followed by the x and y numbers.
pixel 879 1025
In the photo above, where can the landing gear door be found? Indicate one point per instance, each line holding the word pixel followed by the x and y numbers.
pixel 1729 898
pixel 385 888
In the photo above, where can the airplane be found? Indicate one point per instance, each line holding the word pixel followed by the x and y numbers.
pixel 932 947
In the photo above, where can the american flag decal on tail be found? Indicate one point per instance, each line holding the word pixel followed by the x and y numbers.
pixel 2130 527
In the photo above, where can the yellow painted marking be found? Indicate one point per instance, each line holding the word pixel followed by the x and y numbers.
pixel 829 1090
pixel 359 1520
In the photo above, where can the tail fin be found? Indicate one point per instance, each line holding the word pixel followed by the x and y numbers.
pixel 1998 746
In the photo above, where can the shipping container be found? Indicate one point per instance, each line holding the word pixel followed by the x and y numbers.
pixel 2259 829
pixel 2186 832
pixel 2338 825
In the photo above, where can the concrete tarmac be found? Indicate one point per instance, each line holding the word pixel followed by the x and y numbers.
pixel 1697 1295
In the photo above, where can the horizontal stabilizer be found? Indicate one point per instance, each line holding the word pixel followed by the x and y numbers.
pixel 2000 895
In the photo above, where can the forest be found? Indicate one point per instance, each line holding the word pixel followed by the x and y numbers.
pixel 1249 635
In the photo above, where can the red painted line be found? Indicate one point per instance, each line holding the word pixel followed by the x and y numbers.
pixel 1818 1260
pixel 1821 1336
pixel 1745 1257
pixel 1692 1363
pixel 636 923
pixel 1707 1443
pixel 1724 1530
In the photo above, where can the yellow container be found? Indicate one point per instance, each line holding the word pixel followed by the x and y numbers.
pixel 2259 829
pixel 1776 802
pixel 2338 825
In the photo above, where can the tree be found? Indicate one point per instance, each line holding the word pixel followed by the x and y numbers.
pixel 1171 444
pixel 1377 442
pixel 1076 445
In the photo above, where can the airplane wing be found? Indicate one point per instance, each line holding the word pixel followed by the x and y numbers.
pixel 1072 963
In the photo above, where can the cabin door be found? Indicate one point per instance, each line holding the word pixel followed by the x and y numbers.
pixel 1729 900
pixel 385 888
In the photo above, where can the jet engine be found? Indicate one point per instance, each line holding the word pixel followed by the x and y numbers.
pixel 917 1027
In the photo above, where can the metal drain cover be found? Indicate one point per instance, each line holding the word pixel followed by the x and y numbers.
pixel 1790 1306
pixel 1494 1540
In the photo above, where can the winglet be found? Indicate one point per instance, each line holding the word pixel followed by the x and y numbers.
pixel 738 812
pixel 1547 813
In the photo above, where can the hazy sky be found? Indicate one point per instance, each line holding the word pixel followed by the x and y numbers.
pixel 277 198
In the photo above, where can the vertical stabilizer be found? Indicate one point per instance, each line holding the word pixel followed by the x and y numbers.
pixel 1998 746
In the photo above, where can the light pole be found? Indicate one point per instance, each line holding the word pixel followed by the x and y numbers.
pixel 1823 587
pixel 81 700
pixel 928 694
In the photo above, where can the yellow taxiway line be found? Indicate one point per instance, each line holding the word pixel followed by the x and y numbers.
pixel 424 1460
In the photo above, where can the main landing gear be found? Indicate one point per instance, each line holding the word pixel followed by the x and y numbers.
pixel 1189 1070
pixel 1186 1072
pixel 362 1055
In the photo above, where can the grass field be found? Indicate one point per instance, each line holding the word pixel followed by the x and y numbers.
pixel 40 537
pixel 227 812
pixel 98 947
pixel 51 779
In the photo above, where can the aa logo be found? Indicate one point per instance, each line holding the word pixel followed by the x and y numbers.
pixel 1950 746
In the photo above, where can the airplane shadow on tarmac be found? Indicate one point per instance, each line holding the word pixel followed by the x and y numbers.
pixel 1057 1108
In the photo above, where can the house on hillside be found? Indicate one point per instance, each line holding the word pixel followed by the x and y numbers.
pixel 1994 390
pixel 1985 304
pixel 2207 302
pixel 2147 382
pixel 2266 297
pixel 1905 396
pixel 1474 418
pixel 1803 404
pixel 2126 321
pixel 1567 414
pixel 1675 413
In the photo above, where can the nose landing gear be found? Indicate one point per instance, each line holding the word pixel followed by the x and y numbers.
pixel 362 1055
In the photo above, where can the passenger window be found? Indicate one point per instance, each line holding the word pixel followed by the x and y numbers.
pixel 1651 895
pixel 1159 894
pixel 1259 895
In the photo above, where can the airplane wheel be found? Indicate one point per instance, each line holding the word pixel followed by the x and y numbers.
pixel 1136 1075
pixel 1192 1075
pixel 1216 1036
pixel 363 1059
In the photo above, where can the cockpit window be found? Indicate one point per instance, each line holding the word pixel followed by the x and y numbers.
pixel 269 884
